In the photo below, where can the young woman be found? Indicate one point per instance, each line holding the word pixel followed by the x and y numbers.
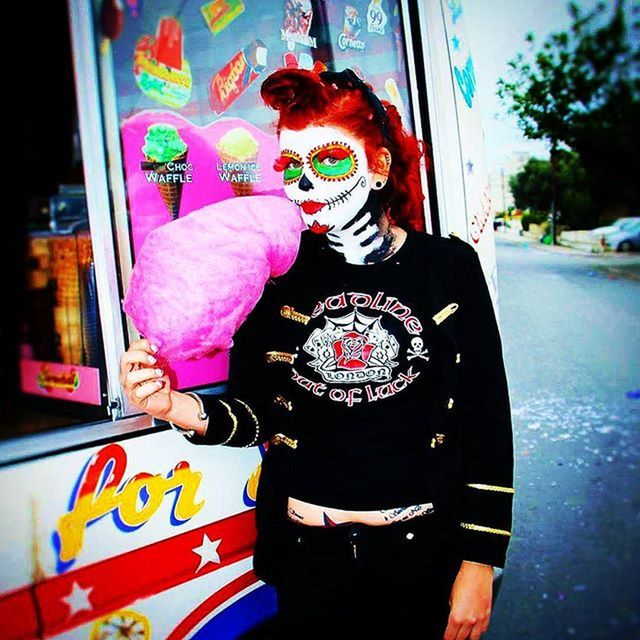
pixel 374 370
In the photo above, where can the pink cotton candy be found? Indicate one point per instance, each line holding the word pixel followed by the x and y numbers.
pixel 196 279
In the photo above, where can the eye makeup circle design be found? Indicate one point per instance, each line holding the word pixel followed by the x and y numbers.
pixel 290 163
pixel 333 161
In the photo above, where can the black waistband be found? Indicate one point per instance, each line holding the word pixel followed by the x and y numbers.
pixel 419 526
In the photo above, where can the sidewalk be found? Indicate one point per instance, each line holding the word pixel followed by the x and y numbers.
pixel 629 270
pixel 614 264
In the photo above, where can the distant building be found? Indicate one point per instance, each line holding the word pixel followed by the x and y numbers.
pixel 499 175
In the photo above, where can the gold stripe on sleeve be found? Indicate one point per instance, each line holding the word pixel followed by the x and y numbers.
pixel 255 422
pixel 479 527
pixel 492 487
pixel 235 422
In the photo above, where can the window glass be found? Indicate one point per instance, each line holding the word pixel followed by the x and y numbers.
pixel 183 86
pixel 56 363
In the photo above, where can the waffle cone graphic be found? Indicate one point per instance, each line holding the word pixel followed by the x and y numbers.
pixel 239 188
pixel 171 192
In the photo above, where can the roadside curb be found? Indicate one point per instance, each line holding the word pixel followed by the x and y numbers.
pixel 619 272
pixel 567 251
pixel 615 265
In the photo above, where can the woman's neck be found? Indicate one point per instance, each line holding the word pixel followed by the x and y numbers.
pixel 368 237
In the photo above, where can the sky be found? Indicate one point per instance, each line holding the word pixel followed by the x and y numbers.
pixel 496 30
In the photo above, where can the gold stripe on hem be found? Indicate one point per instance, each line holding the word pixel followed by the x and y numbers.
pixel 492 487
pixel 479 527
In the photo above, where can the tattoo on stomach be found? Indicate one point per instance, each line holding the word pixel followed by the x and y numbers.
pixel 316 515
pixel 405 513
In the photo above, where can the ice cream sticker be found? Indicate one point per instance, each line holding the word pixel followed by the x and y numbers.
pixel 221 13
pixel 134 7
pixel 73 383
pixel 298 15
pixel 159 67
pixel 393 93
pixel 69 380
pixel 352 26
pixel 302 61
pixel 166 164
pixel 238 151
pixel 237 75
pixel 376 17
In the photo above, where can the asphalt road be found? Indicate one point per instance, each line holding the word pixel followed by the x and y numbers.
pixel 571 337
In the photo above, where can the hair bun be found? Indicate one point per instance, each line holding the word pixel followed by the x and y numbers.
pixel 288 89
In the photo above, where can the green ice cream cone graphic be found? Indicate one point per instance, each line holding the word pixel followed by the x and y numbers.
pixel 163 145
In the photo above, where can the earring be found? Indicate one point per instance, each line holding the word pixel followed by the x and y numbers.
pixel 378 184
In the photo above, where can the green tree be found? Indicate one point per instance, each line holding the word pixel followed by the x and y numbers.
pixel 581 90
pixel 532 189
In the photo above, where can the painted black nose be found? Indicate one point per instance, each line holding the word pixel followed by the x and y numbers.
pixel 305 184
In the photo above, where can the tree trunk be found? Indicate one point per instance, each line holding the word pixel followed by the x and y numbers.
pixel 554 189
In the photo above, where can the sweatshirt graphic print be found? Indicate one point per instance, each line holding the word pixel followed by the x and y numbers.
pixel 355 356
pixel 360 381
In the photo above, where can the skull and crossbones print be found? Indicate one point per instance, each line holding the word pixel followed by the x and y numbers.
pixel 417 350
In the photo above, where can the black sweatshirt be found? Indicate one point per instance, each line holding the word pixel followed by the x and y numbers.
pixel 391 392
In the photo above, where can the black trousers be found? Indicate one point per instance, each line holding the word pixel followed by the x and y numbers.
pixel 367 580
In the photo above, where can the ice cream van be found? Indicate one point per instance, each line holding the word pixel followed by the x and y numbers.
pixel 116 527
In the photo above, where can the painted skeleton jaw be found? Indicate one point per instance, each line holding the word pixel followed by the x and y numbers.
pixel 336 201
pixel 331 180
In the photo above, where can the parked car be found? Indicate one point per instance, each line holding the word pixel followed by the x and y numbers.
pixel 621 224
pixel 627 239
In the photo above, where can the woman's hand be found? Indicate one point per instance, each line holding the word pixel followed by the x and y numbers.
pixel 143 381
pixel 470 602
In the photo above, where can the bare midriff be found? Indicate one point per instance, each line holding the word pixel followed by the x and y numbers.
pixel 319 516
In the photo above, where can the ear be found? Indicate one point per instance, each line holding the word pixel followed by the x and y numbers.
pixel 380 168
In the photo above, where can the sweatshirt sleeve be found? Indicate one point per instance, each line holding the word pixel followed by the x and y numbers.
pixel 240 416
pixel 485 419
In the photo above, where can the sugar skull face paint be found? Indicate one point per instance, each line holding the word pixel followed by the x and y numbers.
pixel 291 165
pixel 334 161
pixel 326 173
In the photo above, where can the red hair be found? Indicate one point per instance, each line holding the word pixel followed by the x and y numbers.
pixel 302 99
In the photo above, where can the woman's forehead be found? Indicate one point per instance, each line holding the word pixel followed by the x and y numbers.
pixel 310 137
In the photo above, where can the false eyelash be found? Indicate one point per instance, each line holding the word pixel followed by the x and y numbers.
pixel 285 155
pixel 280 164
